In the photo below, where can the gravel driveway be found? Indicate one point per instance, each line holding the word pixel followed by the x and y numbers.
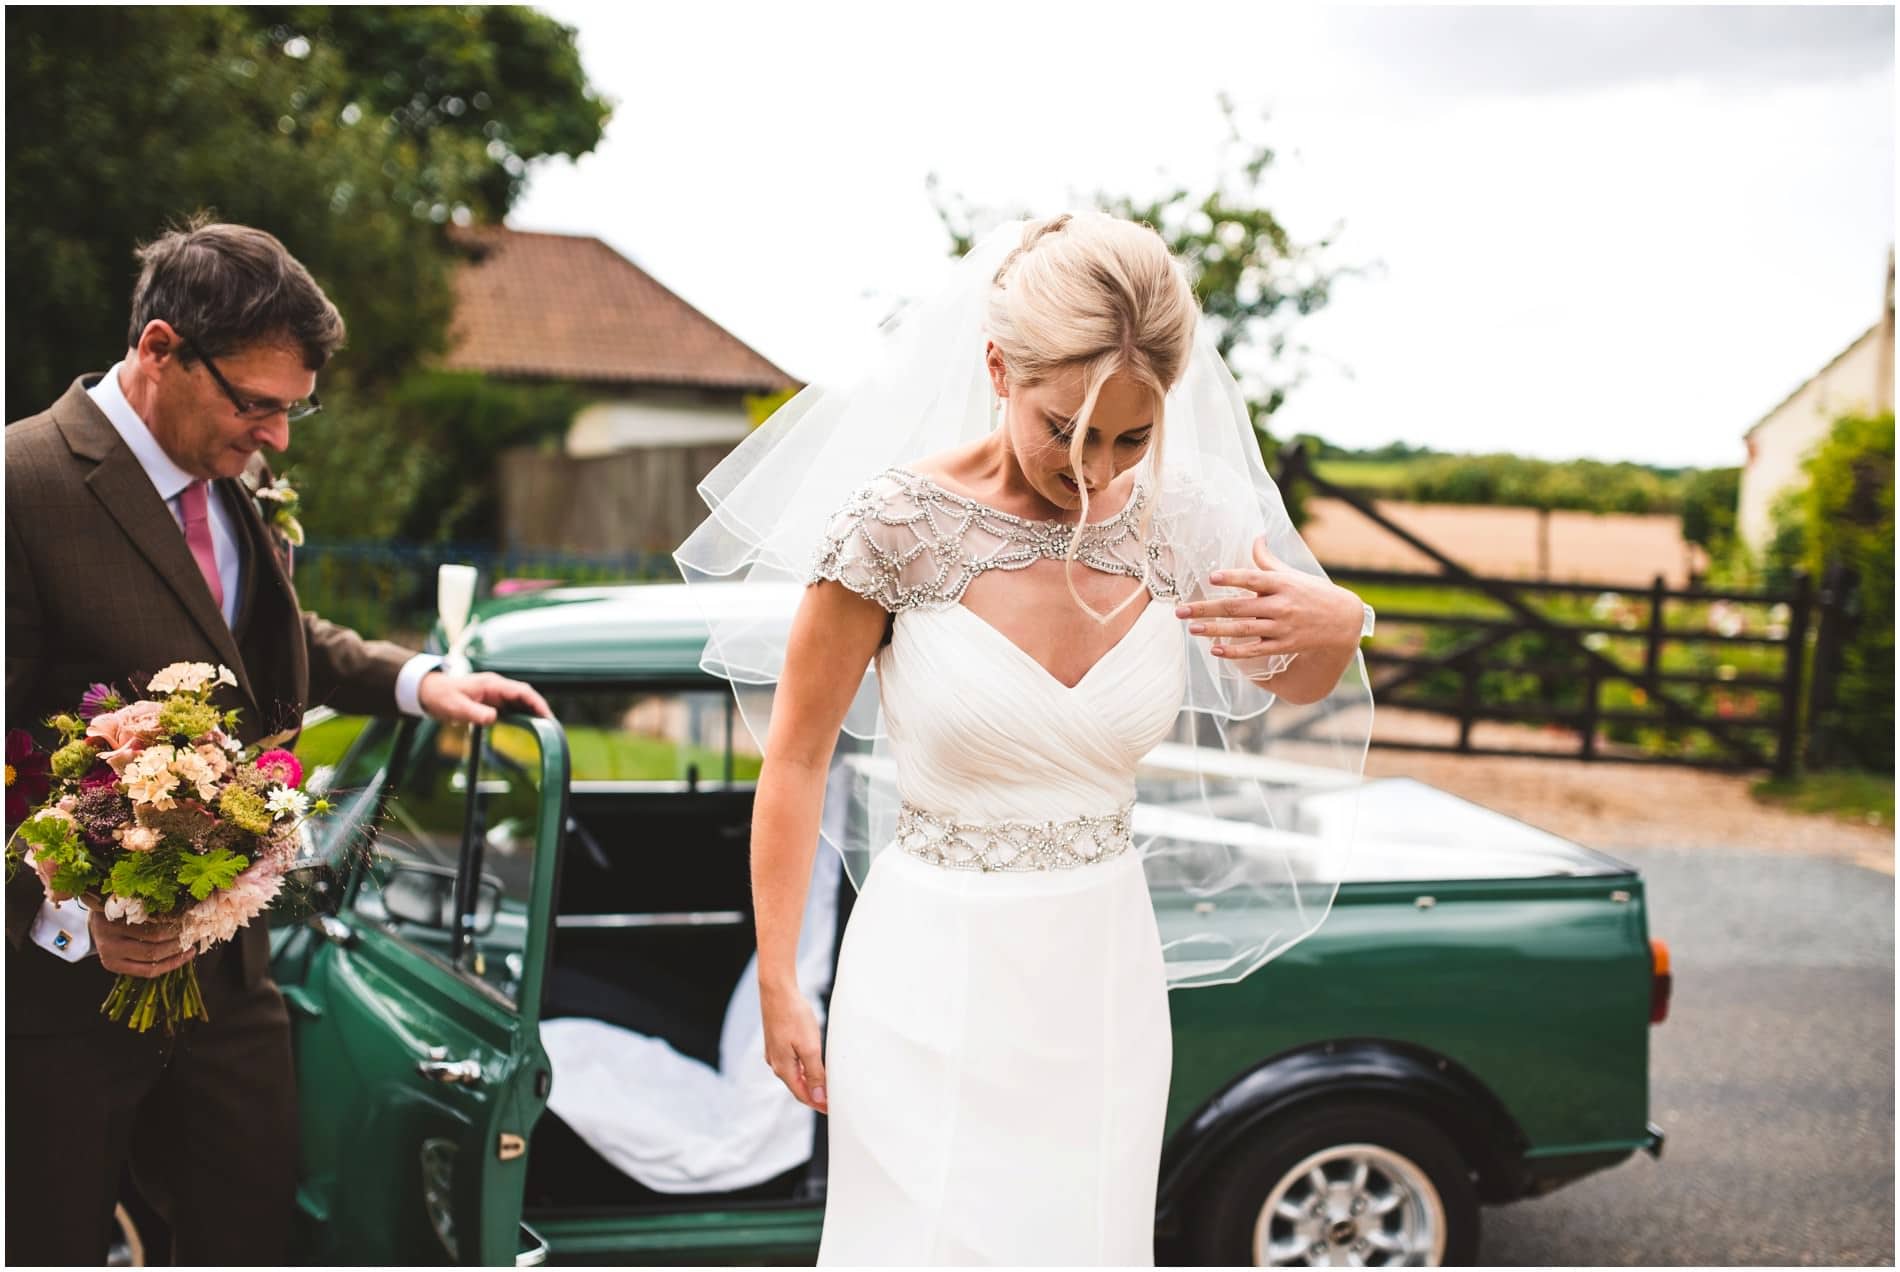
pixel 1773 1076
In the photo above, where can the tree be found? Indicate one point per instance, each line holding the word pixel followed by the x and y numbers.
pixel 479 90
pixel 1709 500
pixel 1252 280
pixel 122 120
pixel 1845 515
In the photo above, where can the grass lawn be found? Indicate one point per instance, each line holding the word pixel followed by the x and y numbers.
pixel 1365 474
pixel 1861 797
pixel 609 755
pixel 326 743
pixel 597 754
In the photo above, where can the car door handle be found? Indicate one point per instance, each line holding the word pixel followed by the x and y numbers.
pixel 466 1072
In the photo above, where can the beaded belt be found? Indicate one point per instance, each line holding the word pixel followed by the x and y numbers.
pixel 1013 845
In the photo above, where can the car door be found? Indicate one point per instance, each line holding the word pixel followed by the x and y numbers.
pixel 416 1009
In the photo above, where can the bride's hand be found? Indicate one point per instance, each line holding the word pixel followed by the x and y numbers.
pixel 792 1047
pixel 1288 612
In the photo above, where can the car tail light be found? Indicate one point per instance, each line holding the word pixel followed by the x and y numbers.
pixel 1659 981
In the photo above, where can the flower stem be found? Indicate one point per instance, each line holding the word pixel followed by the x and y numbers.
pixel 169 1000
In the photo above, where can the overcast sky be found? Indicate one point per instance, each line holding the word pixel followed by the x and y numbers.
pixel 1624 233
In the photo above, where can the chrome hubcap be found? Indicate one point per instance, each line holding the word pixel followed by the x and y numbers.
pixel 1351 1205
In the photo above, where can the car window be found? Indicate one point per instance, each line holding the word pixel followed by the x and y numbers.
pixel 351 780
pixel 672 737
pixel 508 803
pixel 409 875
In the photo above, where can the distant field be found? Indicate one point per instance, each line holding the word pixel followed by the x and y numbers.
pixel 1364 474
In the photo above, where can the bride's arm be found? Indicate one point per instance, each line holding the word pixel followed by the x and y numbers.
pixel 833 637
pixel 1283 611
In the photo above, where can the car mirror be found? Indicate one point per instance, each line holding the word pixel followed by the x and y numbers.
pixel 425 895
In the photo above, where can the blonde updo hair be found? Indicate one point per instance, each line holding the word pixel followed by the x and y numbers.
pixel 1094 293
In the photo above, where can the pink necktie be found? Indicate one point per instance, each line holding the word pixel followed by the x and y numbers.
pixel 191 502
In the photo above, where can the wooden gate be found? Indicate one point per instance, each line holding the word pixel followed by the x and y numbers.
pixel 1577 659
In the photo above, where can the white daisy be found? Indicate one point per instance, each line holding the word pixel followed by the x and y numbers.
pixel 283 800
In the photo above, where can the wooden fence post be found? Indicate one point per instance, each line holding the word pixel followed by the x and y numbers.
pixel 1652 652
pixel 1467 699
pixel 1832 634
pixel 1794 655
pixel 1588 736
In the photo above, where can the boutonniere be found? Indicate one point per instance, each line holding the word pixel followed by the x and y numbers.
pixel 278 503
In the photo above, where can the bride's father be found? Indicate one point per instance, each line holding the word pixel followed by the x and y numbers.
pixel 134 540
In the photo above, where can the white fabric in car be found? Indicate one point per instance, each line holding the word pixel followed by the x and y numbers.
pixel 674 1123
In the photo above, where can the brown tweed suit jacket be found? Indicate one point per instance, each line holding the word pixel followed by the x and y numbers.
pixel 101 587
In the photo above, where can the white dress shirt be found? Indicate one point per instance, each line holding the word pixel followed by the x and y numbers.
pixel 62 929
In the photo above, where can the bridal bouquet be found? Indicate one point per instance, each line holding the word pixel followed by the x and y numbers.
pixel 153 811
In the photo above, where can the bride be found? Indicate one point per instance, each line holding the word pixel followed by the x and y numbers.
pixel 1039 603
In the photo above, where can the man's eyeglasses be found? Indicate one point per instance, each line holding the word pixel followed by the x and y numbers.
pixel 254 409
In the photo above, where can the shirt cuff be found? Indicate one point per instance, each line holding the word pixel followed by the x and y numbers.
pixel 63 930
pixel 409 682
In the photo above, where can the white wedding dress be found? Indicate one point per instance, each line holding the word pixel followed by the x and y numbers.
pixel 998 1046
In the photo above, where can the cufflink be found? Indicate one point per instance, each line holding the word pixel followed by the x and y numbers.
pixel 63 939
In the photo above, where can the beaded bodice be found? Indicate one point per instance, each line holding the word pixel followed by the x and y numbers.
pixel 905 541
pixel 997 760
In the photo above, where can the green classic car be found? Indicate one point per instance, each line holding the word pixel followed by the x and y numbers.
pixel 1469 1025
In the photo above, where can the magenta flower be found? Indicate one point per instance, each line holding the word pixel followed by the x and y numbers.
pixel 282 766
pixel 28 778
pixel 99 699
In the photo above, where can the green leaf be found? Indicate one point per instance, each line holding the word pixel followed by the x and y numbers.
pixel 150 875
pixel 215 869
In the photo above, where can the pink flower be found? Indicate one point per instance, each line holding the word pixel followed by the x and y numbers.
pixel 218 917
pixel 282 766
pixel 139 839
pixel 46 870
pixel 125 732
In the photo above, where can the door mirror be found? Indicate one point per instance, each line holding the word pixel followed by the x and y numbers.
pixel 418 893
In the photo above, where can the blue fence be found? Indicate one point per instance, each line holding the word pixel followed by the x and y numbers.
pixel 388 589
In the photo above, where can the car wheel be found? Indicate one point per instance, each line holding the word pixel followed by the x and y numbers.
pixel 1354 1183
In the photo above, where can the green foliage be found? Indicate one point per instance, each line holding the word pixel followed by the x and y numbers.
pixel 153 876
pixel 1705 497
pixel 1710 497
pixel 1845 514
pixel 1253 281
pixel 475 91
pixel 183 715
pixel 244 809
pixel 1866 798
pixel 316 124
pixel 207 872
pixel 1376 477
pixel 1511 480
pixel 418 463
pixel 56 840
pixel 74 760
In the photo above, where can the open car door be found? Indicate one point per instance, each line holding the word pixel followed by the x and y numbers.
pixel 416 1007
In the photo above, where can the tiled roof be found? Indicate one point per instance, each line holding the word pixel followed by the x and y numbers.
pixel 565 306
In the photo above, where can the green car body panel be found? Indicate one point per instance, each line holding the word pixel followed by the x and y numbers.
pixel 1513 1010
